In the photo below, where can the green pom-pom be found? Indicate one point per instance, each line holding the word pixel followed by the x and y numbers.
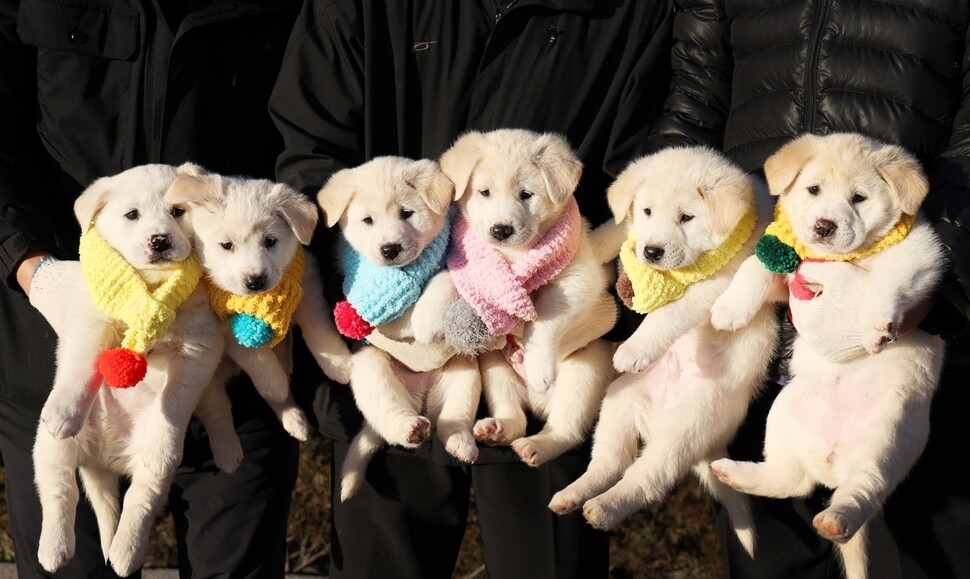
pixel 776 256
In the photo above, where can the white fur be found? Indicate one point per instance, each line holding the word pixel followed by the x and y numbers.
pixel 137 432
pixel 402 203
pixel 247 232
pixel 855 426
pixel 523 180
pixel 687 386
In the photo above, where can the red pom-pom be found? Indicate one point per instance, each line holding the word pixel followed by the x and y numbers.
pixel 349 322
pixel 122 368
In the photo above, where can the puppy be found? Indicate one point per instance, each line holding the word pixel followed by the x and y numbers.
pixel 393 214
pixel 524 262
pixel 686 387
pixel 248 233
pixel 135 432
pixel 851 421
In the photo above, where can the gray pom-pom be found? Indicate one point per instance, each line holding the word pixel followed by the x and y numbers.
pixel 464 330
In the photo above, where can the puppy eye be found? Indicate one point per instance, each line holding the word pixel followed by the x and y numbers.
pixel 132 215
pixel 523 195
pixel 858 198
pixel 684 218
pixel 814 189
pixel 484 192
pixel 269 242
pixel 369 220
pixel 405 213
pixel 227 245
pixel 177 212
pixel 646 211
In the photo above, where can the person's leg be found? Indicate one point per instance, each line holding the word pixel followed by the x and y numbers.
pixel 406 521
pixel 234 525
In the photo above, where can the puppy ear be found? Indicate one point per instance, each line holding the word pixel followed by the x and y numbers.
pixel 727 200
pixel 89 203
pixel 905 176
pixel 298 211
pixel 782 168
pixel 336 194
pixel 432 184
pixel 622 191
pixel 195 185
pixel 560 167
pixel 459 162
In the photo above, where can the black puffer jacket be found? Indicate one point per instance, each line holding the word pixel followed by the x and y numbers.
pixel 752 74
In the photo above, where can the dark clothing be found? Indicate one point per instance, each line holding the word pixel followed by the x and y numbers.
pixel 365 78
pixel 88 90
pixel 751 75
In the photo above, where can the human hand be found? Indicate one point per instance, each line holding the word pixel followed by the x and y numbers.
pixel 51 287
pixel 826 308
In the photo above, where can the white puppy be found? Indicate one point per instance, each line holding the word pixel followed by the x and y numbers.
pixel 393 214
pixel 525 248
pixel 692 216
pixel 136 432
pixel 853 419
pixel 248 233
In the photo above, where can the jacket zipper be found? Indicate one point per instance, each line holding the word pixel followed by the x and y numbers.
pixel 810 73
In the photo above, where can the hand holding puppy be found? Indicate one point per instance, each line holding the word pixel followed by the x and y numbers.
pixel 828 317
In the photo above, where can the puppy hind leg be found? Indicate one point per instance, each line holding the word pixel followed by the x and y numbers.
pixel 384 400
pixel 459 389
pixel 354 469
pixel 503 395
pixel 737 504
pixel 55 471
pixel 776 478
pixel 143 500
pixel 102 490
pixel 853 555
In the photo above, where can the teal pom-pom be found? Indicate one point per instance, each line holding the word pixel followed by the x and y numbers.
pixel 776 256
pixel 250 331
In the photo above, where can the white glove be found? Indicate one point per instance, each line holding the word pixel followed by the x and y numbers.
pixel 831 323
pixel 54 286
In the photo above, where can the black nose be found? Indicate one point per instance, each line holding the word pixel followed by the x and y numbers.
pixel 502 232
pixel 825 228
pixel 159 242
pixel 256 282
pixel 653 253
pixel 390 250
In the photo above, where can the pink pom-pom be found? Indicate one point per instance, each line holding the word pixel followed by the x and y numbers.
pixel 122 368
pixel 349 322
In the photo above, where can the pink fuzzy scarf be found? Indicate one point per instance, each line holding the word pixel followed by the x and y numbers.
pixel 499 291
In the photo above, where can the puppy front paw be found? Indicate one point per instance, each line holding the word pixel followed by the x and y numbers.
pixel 879 335
pixel 295 423
pixel 126 554
pixel 426 329
pixel 227 452
pixel 339 369
pixel 731 312
pixel 565 501
pixel 56 547
pixel 630 358
pixel 498 431
pixel 62 419
pixel 723 469
pixel 540 372
pixel 160 460
pixel 461 445
pixel 601 514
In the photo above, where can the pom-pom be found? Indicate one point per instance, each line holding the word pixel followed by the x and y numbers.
pixel 464 329
pixel 121 367
pixel 776 256
pixel 349 322
pixel 250 331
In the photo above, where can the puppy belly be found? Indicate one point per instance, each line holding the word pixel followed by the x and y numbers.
pixel 418 384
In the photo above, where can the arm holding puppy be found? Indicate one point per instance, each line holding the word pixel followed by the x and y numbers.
pixel 319 332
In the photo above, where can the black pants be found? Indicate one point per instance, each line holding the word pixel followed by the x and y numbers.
pixel 408 519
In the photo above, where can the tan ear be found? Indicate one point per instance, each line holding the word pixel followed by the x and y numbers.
pixel 298 211
pixel 459 162
pixel 432 184
pixel 560 167
pixel 195 185
pixel 727 200
pixel 89 203
pixel 905 177
pixel 782 168
pixel 623 190
pixel 336 194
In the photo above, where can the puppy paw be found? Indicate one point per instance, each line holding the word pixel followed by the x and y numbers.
pixel 535 450
pixel 731 312
pixel 565 501
pixel 126 554
pixel 723 469
pixel 498 431
pixel 540 372
pixel 462 446
pixel 160 460
pixel 417 431
pixel 295 423
pixel 227 453
pixel 339 369
pixel 882 333
pixel 832 526
pixel 629 358
pixel 62 420
pixel 600 514
pixel 426 330
pixel 56 548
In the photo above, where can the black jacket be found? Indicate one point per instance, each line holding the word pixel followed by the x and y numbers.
pixel 364 78
pixel 88 90
pixel 751 74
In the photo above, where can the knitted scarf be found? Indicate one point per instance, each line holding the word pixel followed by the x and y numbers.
pixel 781 251
pixel 379 294
pixel 261 319
pixel 119 291
pixel 498 291
pixel 653 288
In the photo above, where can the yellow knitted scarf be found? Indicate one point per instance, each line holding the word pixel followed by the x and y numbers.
pixel 262 319
pixel 781 228
pixel 121 293
pixel 653 288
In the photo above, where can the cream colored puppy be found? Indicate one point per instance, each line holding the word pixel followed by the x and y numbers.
pixel 513 187
pixel 137 432
pixel 247 234
pixel 857 420
pixel 692 215
pixel 391 212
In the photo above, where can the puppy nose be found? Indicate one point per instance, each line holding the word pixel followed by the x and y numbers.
pixel 256 282
pixel 159 242
pixel 502 232
pixel 653 253
pixel 825 228
pixel 390 250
